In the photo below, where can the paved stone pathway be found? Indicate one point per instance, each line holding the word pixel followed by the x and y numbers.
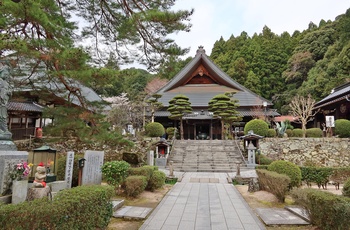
pixel 203 201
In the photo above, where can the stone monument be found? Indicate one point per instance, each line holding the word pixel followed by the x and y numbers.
pixel 92 173
pixel 5 94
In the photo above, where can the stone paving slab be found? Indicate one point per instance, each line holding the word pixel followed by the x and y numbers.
pixel 192 206
pixel 279 216
pixel 299 211
pixel 132 212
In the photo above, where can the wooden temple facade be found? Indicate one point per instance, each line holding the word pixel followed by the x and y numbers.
pixel 200 80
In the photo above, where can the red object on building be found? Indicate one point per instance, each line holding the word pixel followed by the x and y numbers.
pixel 38 132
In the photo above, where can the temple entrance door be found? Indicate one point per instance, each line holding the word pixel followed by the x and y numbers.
pixel 202 131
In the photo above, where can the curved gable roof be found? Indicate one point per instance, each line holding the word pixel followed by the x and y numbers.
pixel 200 95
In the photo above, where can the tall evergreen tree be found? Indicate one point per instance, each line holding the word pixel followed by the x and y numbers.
pixel 179 106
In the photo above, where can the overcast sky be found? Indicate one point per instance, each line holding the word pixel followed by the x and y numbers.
pixel 215 18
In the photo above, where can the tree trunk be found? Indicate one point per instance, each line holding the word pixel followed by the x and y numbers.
pixel 222 130
pixel 181 130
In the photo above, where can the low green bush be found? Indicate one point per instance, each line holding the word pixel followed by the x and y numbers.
pixel 271 133
pixel 274 183
pixel 289 169
pixel 342 128
pixel 261 167
pixel 297 133
pixel 346 188
pixel 314 132
pixel 82 207
pixel 115 172
pixel 154 129
pixel 262 159
pixel 146 171
pixel 156 181
pixel 61 169
pixel 318 175
pixel 259 127
pixel 135 185
pixel 327 210
pixel 289 132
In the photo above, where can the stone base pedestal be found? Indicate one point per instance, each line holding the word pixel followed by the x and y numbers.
pixel 19 191
pixel 7 145
pixel 36 193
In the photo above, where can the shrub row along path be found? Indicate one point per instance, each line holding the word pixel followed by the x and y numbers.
pixel 203 201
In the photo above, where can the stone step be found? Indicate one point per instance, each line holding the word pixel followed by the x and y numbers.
pixel 117 204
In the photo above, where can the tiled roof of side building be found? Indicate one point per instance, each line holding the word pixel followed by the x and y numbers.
pixel 24 106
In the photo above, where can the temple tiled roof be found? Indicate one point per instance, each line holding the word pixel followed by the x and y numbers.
pixel 200 94
pixel 340 93
pixel 24 106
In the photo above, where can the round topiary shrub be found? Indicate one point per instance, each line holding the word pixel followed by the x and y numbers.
pixel 288 168
pixel 271 133
pixel 342 128
pixel 115 172
pixel 297 133
pixel 258 126
pixel 346 188
pixel 156 181
pixel 135 185
pixel 154 129
pixel 289 132
pixel 314 132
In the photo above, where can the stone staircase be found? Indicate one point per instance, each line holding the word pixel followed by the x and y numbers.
pixel 205 156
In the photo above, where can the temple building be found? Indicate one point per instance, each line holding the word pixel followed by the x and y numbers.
pixel 200 80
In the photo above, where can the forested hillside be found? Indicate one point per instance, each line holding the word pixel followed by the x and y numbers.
pixel 279 67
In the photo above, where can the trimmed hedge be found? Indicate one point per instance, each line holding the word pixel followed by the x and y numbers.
pixel 262 159
pixel 289 132
pixel 156 181
pixel 258 126
pixel 274 183
pixel 346 188
pixel 146 171
pixel 314 132
pixel 327 210
pixel 297 133
pixel 318 175
pixel 271 133
pixel 154 129
pixel 342 128
pixel 289 169
pixel 82 207
pixel 135 185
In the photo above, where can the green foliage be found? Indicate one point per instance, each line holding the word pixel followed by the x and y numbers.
pixel 289 132
pixel 342 128
pixel 82 207
pixel 289 169
pixel 262 159
pixel 281 128
pixel 171 131
pixel 327 210
pixel 135 185
pixel 115 172
pixel 258 126
pixel 145 171
pixel 61 168
pixel 154 129
pixel 156 181
pixel 314 132
pixel 273 182
pixel 346 188
pixel 297 133
pixel 179 106
pixel 318 175
pixel 223 106
pixel 271 133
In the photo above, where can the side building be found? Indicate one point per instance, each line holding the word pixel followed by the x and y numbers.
pixel 200 80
